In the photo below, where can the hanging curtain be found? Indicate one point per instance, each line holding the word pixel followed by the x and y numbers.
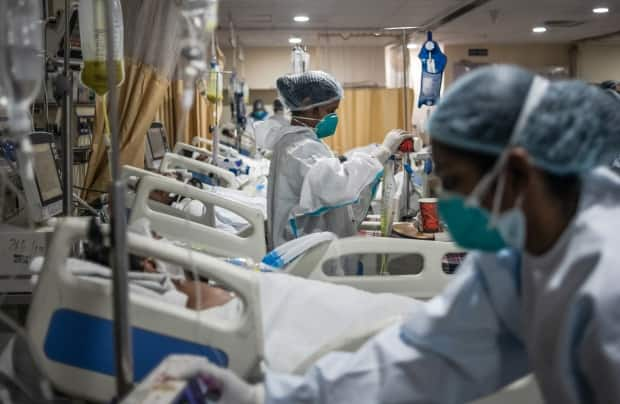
pixel 151 35
pixel 169 113
pixel 199 119
pixel 366 115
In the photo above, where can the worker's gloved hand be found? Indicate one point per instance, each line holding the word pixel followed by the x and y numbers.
pixel 221 382
pixel 391 143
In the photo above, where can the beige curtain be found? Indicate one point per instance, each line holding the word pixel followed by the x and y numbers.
pixel 198 120
pixel 366 115
pixel 151 35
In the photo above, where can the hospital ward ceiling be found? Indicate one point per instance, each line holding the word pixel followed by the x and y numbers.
pixel 270 22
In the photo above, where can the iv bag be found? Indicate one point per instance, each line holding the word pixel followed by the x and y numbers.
pixel 93 37
pixel 21 47
pixel 215 84
pixel 211 16
pixel 246 93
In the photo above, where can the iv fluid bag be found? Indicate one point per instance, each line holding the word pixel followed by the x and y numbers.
pixel 93 37
pixel 246 93
pixel 21 47
pixel 211 15
pixel 215 83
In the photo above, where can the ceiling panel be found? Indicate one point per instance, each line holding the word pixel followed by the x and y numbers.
pixel 269 22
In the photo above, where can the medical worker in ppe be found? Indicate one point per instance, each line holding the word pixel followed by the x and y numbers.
pixel 264 128
pixel 279 114
pixel 524 185
pixel 309 189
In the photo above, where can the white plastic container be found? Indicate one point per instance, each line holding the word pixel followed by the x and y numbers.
pixel 22 50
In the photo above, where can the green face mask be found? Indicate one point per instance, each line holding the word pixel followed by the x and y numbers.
pixel 327 126
pixel 469 225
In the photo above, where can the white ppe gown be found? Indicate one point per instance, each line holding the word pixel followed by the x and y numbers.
pixel 308 184
pixel 504 315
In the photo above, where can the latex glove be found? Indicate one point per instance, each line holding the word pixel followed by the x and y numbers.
pixel 231 388
pixel 391 143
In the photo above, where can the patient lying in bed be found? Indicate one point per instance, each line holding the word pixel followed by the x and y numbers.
pixel 300 317
pixel 224 219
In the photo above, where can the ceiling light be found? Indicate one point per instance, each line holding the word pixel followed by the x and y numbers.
pixel 600 10
pixel 412 45
pixel 301 18
pixel 539 30
pixel 294 40
pixel 399 28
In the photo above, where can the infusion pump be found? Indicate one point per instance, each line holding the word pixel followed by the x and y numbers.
pixel 43 193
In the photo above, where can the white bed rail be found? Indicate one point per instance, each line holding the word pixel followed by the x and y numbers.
pixel 128 172
pixel 181 147
pixel 200 235
pixel 224 150
pixel 429 282
pixel 174 161
pixel 58 293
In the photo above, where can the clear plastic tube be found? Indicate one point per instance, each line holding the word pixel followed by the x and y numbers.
pixel 387 207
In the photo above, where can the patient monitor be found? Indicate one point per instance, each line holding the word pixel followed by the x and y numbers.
pixel 43 193
pixel 156 145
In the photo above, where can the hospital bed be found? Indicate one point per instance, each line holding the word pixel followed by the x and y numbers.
pixel 133 175
pixel 201 233
pixel 69 325
pixel 259 167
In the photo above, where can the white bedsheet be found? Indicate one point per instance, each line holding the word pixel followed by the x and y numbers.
pixel 301 316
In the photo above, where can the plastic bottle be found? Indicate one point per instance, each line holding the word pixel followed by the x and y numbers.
pixel 93 37
pixel 387 207
pixel 300 59
pixel 21 47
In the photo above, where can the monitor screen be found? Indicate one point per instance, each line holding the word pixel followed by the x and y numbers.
pixel 157 141
pixel 48 182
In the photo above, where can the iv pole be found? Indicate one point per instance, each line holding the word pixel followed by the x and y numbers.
pixel 406 160
pixel 67 108
pixel 119 258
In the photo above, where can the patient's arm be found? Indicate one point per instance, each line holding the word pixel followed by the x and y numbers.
pixel 202 296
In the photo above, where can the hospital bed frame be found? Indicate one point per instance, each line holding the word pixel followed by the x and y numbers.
pixel 226 151
pixel 129 172
pixel 429 282
pixel 198 234
pixel 69 324
pixel 181 147
pixel 172 161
